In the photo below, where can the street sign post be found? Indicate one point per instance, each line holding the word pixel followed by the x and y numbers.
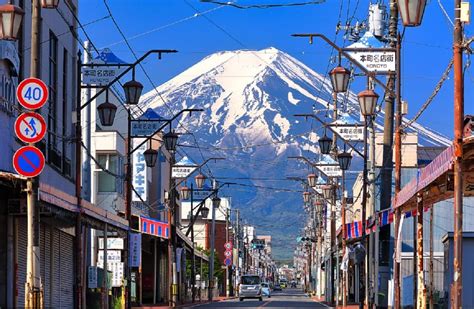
pixel 28 161
pixel 32 93
pixel 376 60
pixel 182 171
pixel 30 127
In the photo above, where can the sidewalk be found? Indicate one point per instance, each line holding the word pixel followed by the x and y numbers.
pixel 188 304
pixel 323 300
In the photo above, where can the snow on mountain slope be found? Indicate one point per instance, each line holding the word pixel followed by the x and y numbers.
pixel 249 99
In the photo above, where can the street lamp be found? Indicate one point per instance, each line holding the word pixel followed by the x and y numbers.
pixel 133 91
pixel 411 11
pixel 10 21
pixel 306 196
pixel 327 191
pixel 185 192
pixel 107 112
pixel 344 160
pixel 49 4
pixel 200 180
pixel 216 202
pixel 340 79
pixel 368 102
pixel 204 211
pixel 150 157
pixel 312 180
pixel 171 141
pixel 325 144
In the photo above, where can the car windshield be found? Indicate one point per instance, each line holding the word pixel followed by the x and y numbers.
pixel 264 285
pixel 251 280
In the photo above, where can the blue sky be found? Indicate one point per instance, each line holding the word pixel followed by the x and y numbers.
pixel 172 24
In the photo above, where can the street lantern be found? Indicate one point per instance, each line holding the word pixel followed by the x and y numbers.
pixel 368 102
pixel 107 112
pixel 216 202
pixel 171 140
pixel 10 21
pixel 184 193
pixel 133 91
pixel 204 211
pixel 312 180
pixel 150 157
pixel 340 79
pixel 318 203
pixel 411 11
pixel 306 196
pixel 344 160
pixel 200 180
pixel 325 144
pixel 327 191
pixel 49 4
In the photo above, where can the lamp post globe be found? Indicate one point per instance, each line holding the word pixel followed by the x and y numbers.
pixel 306 196
pixel 133 91
pixel 368 102
pixel 340 79
pixel 204 211
pixel 150 157
pixel 327 191
pixel 184 193
pixel 10 21
pixel 312 180
pixel 200 179
pixel 171 141
pixel 49 4
pixel 411 12
pixel 216 202
pixel 107 112
pixel 325 144
pixel 344 160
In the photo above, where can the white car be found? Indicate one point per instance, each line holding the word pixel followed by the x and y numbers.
pixel 266 289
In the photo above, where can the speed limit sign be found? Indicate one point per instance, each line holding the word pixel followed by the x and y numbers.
pixel 32 93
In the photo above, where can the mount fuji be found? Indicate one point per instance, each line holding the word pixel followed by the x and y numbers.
pixel 249 99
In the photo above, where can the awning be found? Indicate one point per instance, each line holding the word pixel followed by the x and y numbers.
pixel 154 227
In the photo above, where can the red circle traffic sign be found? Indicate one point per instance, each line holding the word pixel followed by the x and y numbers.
pixel 28 161
pixel 228 254
pixel 30 127
pixel 32 93
pixel 228 245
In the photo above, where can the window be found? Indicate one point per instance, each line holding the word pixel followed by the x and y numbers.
pixel 106 181
pixel 66 171
pixel 53 88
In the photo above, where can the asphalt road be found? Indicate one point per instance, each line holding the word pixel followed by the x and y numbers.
pixel 288 298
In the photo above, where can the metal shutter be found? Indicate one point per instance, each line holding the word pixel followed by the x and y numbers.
pixel 55 269
pixel 67 270
pixel 45 252
pixel 21 242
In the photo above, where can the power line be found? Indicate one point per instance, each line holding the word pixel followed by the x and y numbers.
pixel 263 6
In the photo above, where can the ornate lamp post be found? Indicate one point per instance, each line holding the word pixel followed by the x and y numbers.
pixel 49 4
pixel 340 79
pixel 312 180
pixel 185 192
pixel 10 21
pixel 150 157
pixel 328 191
pixel 344 159
pixel 133 90
pixel 171 141
pixel 325 144
pixel 200 181
pixel 411 11
pixel 368 102
pixel 306 197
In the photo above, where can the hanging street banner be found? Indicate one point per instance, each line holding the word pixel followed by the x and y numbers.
pixel 139 171
pixel 348 128
pixel 145 127
pixel 135 249
pixel 374 60
pixel 329 167
pixel 103 75
pixel 30 127
pixel 183 168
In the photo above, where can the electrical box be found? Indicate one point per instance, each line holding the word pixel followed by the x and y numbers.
pixel 465 12
pixel 404 107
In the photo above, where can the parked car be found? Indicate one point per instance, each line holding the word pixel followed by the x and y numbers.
pixel 266 289
pixel 277 287
pixel 250 287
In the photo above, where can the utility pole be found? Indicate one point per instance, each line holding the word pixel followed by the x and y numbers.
pixel 373 238
pixel 213 234
pixel 364 300
pixel 227 281
pixel 33 292
pixel 344 233
pixel 237 247
pixel 431 259
pixel 386 171
pixel 172 276
pixel 193 266
pixel 456 291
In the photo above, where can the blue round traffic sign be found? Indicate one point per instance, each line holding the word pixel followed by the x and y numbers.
pixel 227 262
pixel 28 161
